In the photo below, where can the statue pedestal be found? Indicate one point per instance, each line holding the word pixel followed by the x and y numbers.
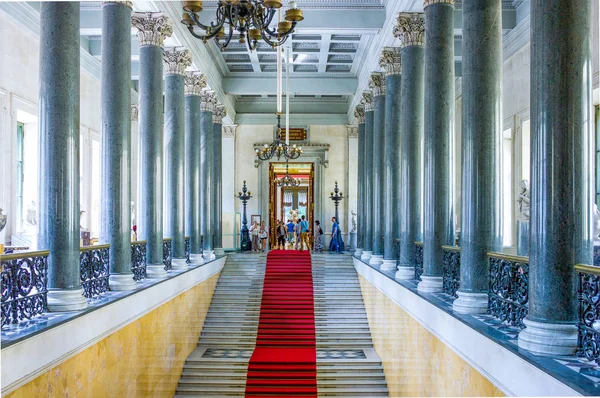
pixel 523 238
pixel 351 241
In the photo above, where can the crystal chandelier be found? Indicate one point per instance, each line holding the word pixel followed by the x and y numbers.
pixel 287 180
pixel 250 18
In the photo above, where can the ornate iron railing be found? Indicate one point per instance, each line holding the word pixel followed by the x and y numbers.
pixel 24 286
pixel 451 270
pixel 588 325
pixel 167 253
pixel 397 251
pixel 138 260
pixel 509 288
pixel 418 260
pixel 94 270
pixel 188 249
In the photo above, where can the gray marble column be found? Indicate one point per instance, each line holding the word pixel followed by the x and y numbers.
pixel 390 61
pixel 359 114
pixel 217 171
pixel 153 28
pixel 59 153
pixel 562 170
pixel 116 141
pixel 410 29
pixel 439 124
pixel 176 60
pixel 207 106
pixel 377 85
pixel 481 148
pixel 195 82
pixel 367 102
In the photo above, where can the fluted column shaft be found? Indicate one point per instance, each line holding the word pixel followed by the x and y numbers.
pixel 481 149
pixel 562 194
pixel 217 202
pixel 368 184
pixel 206 183
pixel 391 188
pixel 378 176
pixel 192 173
pixel 360 232
pixel 116 142
pixel 59 153
pixel 439 124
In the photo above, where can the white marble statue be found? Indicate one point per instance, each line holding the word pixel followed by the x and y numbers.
pixel 523 202
pixel 596 226
pixel 353 220
pixel 293 215
pixel 3 218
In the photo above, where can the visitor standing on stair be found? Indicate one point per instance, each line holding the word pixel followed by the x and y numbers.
pixel 254 229
pixel 281 234
pixel 290 229
pixel 263 235
pixel 304 234
pixel 297 231
pixel 318 239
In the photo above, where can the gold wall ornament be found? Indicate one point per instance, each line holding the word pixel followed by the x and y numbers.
pixel 176 60
pixel 359 114
pixel 195 82
pixel 410 29
pixel 153 28
pixel 427 3
pixel 377 83
pixel 367 101
pixel 391 61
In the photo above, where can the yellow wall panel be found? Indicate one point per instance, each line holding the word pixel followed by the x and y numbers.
pixel 143 359
pixel 415 362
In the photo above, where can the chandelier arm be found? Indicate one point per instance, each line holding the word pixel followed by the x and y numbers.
pixel 197 36
pixel 290 30
pixel 267 39
pixel 197 21
pixel 228 39
pixel 269 19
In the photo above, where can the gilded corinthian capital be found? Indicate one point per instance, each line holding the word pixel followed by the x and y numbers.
pixel 367 101
pixel 391 61
pixel 410 29
pixel 208 101
pixel 153 28
pixel 377 83
pixel 359 114
pixel 195 82
pixel 176 60
pixel 430 2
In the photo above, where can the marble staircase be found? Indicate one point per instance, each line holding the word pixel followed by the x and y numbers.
pixel 347 364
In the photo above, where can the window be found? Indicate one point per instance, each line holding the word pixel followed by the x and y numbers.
pixel 20 173
pixel 95 188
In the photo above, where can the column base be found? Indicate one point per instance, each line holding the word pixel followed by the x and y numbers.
pixel 121 282
pixel 156 271
pixel 208 255
pixel 548 338
pixel 196 259
pixel 60 300
pixel 366 255
pixel 219 251
pixel 358 252
pixel 405 273
pixel 430 284
pixel 388 265
pixel 179 264
pixel 470 303
pixel 376 259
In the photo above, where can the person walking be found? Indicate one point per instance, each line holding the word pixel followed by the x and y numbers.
pixel 290 235
pixel 304 234
pixel 297 231
pixel 263 234
pixel 318 237
pixel 336 244
pixel 254 229
pixel 281 234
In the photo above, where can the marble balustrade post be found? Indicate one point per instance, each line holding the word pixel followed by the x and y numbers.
pixel 59 153
pixel 391 62
pixel 481 148
pixel 367 102
pixel 217 171
pixel 562 171
pixel 377 85
pixel 359 114
pixel 116 141
pixel 153 28
pixel 439 124
pixel 207 107
pixel 176 60
pixel 410 29
pixel 195 82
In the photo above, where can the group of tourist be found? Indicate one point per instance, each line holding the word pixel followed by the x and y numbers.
pixel 295 235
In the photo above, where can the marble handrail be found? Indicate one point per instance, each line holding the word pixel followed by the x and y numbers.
pixel 509 257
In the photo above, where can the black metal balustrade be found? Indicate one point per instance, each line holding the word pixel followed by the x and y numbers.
pixel 188 250
pixel 24 286
pixel 451 270
pixel 138 260
pixel 167 254
pixel 418 260
pixel 94 270
pixel 588 325
pixel 509 288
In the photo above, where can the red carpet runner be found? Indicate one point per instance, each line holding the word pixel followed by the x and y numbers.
pixel 284 362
